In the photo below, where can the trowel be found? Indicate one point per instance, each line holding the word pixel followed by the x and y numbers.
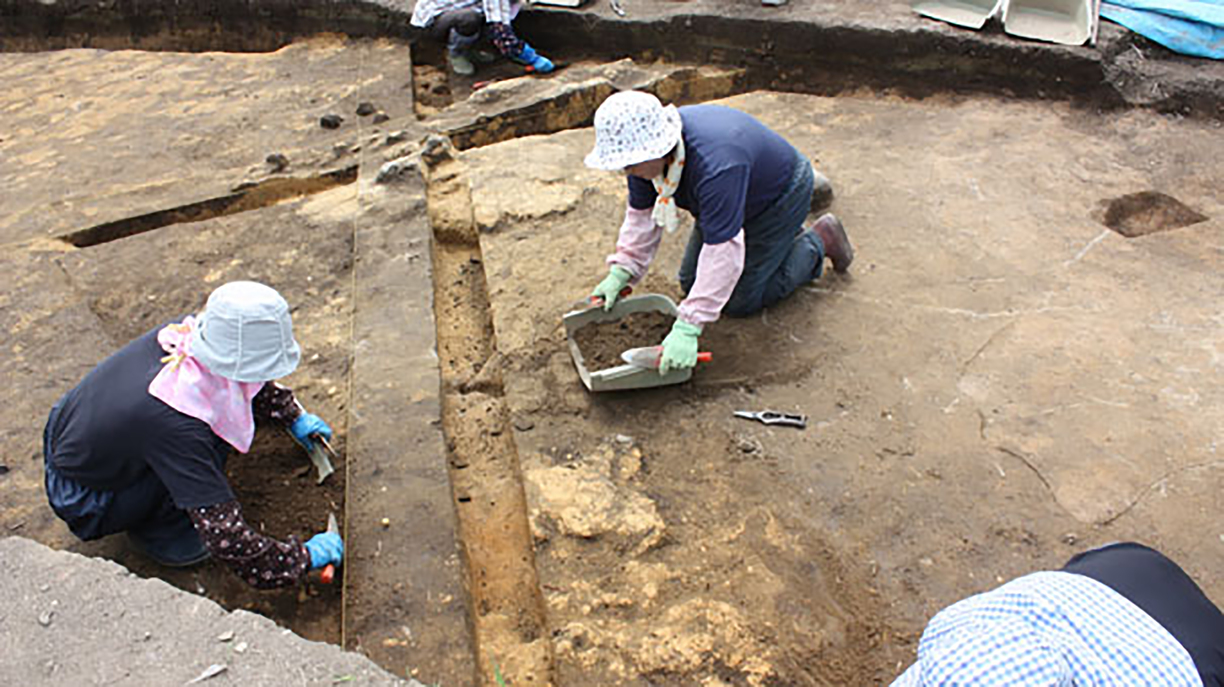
pixel 624 376
pixel 319 457
pixel 650 356
pixel 329 571
pixel 595 301
pixel 318 450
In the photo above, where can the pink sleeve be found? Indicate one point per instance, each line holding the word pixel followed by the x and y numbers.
pixel 637 242
pixel 719 267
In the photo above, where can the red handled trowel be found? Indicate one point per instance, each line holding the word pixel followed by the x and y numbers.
pixel 329 571
pixel 596 301
pixel 650 356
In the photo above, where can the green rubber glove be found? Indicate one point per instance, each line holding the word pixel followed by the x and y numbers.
pixel 609 289
pixel 680 347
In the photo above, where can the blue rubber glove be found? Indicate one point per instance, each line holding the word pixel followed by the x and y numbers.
pixel 680 347
pixel 609 289
pixel 535 60
pixel 324 548
pixel 306 425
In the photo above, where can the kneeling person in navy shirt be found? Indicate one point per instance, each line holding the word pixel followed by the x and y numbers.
pixel 139 445
pixel 748 191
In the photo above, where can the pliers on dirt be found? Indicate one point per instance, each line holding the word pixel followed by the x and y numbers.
pixel 771 417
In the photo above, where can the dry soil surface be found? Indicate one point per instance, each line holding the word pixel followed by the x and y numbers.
pixel 1001 381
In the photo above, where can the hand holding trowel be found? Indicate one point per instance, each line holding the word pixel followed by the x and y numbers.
pixel 311 432
pixel 329 571
pixel 650 356
pixel 595 301
pixel 326 550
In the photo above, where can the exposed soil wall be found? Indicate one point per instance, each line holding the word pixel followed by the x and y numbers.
pixel 505 606
pixel 686 499
pixel 792 53
pixel 190 26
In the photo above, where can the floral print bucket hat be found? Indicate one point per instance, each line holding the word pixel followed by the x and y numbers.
pixel 632 127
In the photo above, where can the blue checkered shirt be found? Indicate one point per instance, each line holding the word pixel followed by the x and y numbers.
pixel 1049 628
pixel 495 11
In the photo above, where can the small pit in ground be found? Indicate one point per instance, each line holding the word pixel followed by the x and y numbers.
pixel 280 495
pixel 435 86
pixel 602 343
pixel 1146 212
pixel 276 485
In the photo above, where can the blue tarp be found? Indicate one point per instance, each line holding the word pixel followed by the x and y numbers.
pixel 1191 27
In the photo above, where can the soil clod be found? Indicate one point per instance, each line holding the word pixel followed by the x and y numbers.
pixel 278 162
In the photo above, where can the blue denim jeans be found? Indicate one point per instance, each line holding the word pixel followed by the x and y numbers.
pixel 143 508
pixel 780 256
pixel 461 29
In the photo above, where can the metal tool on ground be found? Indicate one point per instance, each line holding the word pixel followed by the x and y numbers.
pixel 650 356
pixel 329 570
pixel 318 451
pixel 771 417
pixel 595 301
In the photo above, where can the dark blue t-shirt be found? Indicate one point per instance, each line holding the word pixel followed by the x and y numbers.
pixel 109 431
pixel 734 168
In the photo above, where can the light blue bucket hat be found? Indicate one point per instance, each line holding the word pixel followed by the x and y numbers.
pixel 245 334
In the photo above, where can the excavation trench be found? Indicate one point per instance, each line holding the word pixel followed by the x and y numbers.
pixel 259 195
pixel 506 617
pixel 790 54
pixel 509 630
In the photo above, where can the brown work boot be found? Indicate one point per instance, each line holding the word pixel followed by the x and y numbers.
pixel 836 243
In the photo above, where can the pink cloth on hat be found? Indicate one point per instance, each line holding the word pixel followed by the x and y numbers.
pixel 186 385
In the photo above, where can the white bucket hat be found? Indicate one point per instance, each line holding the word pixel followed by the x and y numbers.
pixel 245 334
pixel 632 127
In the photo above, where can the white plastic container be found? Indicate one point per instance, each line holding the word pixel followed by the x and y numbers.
pixel 623 376
pixel 971 14
pixel 1070 22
